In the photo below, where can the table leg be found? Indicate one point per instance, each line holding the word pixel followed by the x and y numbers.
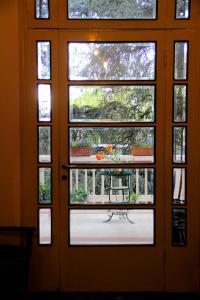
pixel 126 214
pixel 110 217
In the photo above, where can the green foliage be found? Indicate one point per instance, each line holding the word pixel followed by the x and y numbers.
pixel 133 197
pixel 144 145
pixel 111 9
pixel 45 192
pixel 77 196
pixel 80 138
pixel 126 61
pixel 133 103
pixel 81 144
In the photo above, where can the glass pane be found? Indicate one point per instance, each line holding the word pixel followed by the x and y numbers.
pixel 180 103
pixel 112 61
pixel 179 145
pixel 112 186
pixel 112 103
pixel 44 226
pixel 44 102
pixel 182 9
pixel 42 9
pixel 126 145
pixel 44 139
pixel 102 9
pixel 179 185
pixel 179 227
pixel 112 227
pixel 43 60
pixel 44 185
pixel 181 60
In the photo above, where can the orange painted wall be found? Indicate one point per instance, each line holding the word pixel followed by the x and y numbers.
pixel 9 114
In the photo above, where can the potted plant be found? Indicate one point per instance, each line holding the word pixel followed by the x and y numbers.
pixel 133 198
pixel 78 196
pixel 142 149
pixel 81 148
pixel 45 192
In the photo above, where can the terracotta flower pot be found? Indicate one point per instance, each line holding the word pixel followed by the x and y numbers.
pixel 81 151
pixel 139 151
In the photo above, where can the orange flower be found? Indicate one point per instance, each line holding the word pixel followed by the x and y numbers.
pixel 109 148
pixel 99 156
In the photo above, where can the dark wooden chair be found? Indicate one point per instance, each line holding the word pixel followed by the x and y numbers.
pixel 15 254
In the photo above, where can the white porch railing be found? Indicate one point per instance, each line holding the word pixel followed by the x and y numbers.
pixel 102 196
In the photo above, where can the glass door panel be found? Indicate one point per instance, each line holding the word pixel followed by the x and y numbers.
pixel 132 9
pixel 112 207
pixel 112 186
pixel 112 103
pixel 111 61
pixel 89 145
pixel 112 118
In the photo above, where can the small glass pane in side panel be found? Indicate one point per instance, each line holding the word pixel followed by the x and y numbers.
pixel 179 228
pixel 179 185
pixel 122 9
pixel 180 102
pixel 44 136
pixel 112 103
pixel 182 9
pixel 43 60
pixel 179 155
pixel 112 186
pixel 45 226
pixel 112 61
pixel 42 9
pixel 112 227
pixel 44 102
pixel 45 185
pixel 180 60
pixel 126 145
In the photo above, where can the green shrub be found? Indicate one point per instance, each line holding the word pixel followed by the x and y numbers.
pixel 78 196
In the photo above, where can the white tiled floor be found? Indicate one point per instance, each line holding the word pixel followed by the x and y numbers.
pixel 88 227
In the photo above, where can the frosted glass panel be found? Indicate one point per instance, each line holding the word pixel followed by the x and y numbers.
pixel 179 145
pixel 179 185
pixel 182 9
pixel 43 60
pixel 180 103
pixel 45 226
pixel 109 9
pixel 112 61
pixel 181 60
pixel 111 227
pixel 179 229
pixel 124 103
pixel 45 185
pixel 44 102
pixel 44 140
pixel 42 9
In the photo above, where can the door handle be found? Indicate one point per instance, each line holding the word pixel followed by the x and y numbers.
pixel 64 167
pixel 64 177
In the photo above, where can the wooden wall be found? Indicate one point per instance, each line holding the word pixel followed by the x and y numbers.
pixel 9 113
